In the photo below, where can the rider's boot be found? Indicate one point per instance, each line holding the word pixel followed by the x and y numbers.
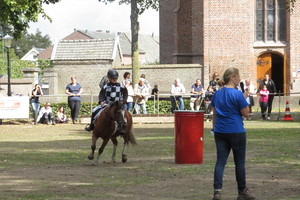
pixel 90 127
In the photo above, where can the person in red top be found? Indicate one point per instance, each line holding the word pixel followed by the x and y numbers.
pixel 263 101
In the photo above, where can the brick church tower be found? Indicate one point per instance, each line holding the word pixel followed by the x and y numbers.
pixel 181 29
pixel 257 36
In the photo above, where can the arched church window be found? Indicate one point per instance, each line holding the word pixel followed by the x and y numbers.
pixel 271 20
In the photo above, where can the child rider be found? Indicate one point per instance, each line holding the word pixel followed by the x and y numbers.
pixel 111 92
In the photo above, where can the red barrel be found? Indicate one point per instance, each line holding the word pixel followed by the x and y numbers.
pixel 189 137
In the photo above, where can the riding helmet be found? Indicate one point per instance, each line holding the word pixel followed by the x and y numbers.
pixel 113 74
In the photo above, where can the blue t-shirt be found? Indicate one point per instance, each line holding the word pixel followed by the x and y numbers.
pixel 75 90
pixel 196 89
pixel 228 103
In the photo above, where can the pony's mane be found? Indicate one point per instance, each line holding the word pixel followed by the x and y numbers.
pixel 116 103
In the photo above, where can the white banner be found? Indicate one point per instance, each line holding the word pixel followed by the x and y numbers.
pixel 14 107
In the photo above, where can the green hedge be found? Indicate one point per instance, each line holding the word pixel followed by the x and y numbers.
pixel 85 109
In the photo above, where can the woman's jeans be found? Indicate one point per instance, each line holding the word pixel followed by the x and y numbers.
pixel 35 108
pixel 137 108
pixel 270 102
pixel 174 104
pixel 75 107
pixel 224 143
pixel 128 106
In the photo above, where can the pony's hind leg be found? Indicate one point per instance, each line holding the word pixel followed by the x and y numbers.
pixel 115 142
pixel 104 143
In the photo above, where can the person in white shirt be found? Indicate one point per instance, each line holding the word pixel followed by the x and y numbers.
pixel 129 101
pixel 141 92
pixel 45 115
pixel 176 91
pixel 251 92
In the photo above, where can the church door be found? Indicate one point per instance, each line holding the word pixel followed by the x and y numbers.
pixel 273 65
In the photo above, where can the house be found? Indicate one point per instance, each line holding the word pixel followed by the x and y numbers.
pixel 88 59
pixel 258 37
pixel 148 44
pixel 32 54
pixel 89 54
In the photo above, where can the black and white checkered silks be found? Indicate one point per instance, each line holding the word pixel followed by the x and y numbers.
pixel 113 92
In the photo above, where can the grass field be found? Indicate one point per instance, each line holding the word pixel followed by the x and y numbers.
pixel 50 162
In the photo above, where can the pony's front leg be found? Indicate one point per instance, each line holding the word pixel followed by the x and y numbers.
pixel 124 156
pixel 115 142
pixel 104 143
pixel 93 147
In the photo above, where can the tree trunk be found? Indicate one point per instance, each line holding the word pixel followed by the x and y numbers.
pixel 134 42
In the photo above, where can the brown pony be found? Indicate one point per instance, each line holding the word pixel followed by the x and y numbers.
pixel 106 127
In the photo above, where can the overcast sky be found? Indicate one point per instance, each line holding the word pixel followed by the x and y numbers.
pixel 91 15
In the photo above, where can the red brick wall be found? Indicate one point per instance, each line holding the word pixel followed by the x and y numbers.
pixel 293 54
pixel 229 36
pixel 189 32
pixel 221 34
pixel 166 30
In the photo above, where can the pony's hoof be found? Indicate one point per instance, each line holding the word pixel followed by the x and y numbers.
pixel 124 158
pixel 90 157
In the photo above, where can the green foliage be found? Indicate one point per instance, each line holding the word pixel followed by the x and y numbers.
pixel 19 14
pixel 142 4
pixel 290 5
pixel 26 42
pixel 42 64
pixel 85 109
pixel 16 64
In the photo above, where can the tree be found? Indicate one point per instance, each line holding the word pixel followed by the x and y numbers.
pixel 137 8
pixel 18 14
pixel 26 42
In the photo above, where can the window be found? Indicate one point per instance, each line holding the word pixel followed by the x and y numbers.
pixel 271 20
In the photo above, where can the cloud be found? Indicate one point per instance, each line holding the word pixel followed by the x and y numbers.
pixel 91 15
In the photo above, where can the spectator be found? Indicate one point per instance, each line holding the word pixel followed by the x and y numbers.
pixel 214 81
pixel 141 92
pixel 45 115
pixel 197 91
pixel 229 108
pixel 263 101
pixel 129 102
pixel 177 91
pixel 35 101
pixel 251 91
pixel 208 97
pixel 74 90
pixel 146 81
pixel 111 92
pixel 220 84
pixel 61 117
pixel 155 91
pixel 272 91
pixel 103 81
pixel 126 76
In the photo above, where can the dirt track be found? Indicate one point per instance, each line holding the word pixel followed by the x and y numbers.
pixel 50 162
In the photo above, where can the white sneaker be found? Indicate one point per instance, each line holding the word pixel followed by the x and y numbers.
pixel 268 118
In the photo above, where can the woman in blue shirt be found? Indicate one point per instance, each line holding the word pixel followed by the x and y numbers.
pixel 74 90
pixel 229 108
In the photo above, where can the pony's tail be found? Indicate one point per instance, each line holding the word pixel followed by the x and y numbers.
pixel 132 139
